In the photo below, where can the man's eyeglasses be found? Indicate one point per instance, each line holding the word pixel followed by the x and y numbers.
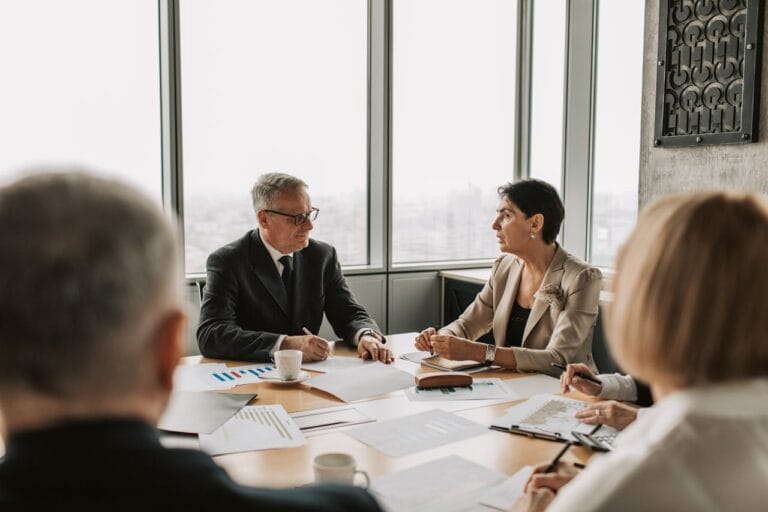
pixel 299 218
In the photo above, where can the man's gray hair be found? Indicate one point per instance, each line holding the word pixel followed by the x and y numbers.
pixel 88 266
pixel 268 187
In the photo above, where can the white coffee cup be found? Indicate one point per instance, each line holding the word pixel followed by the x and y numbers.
pixel 288 363
pixel 338 468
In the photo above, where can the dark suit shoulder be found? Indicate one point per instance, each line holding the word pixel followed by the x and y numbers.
pixel 235 249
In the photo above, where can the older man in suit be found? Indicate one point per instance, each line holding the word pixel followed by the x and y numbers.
pixel 268 290
pixel 91 329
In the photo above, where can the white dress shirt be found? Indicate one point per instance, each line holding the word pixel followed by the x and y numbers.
pixel 703 449
pixel 616 386
pixel 276 255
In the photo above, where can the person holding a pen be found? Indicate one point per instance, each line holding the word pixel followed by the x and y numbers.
pixel 612 387
pixel 688 317
pixel 269 290
pixel 540 302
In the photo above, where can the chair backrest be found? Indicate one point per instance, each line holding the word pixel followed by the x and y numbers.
pixel 193 294
pixel 600 351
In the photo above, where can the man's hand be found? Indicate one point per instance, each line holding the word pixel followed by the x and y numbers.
pixel 457 349
pixel 612 413
pixel 369 347
pixel 313 348
pixel 569 380
pixel 422 339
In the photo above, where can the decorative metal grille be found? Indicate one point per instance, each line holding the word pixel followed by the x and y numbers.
pixel 708 69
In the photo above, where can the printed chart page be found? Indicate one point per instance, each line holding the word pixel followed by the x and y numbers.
pixel 256 427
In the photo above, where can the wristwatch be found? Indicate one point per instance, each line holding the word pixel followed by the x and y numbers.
pixel 368 332
pixel 490 354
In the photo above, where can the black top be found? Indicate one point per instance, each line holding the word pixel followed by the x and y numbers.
pixel 516 326
pixel 116 464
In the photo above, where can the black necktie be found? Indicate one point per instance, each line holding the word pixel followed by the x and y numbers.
pixel 287 276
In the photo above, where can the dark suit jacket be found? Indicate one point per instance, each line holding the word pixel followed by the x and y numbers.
pixel 120 464
pixel 245 308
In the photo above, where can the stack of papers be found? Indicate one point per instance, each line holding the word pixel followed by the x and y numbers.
pixel 362 382
pixel 258 427
pixel 418 432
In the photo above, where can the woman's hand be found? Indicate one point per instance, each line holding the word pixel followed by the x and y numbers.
pixel 533 501
pixel 612 413
pixel 422 339
pixel 569 380
pixel 564 473
pixel 457 349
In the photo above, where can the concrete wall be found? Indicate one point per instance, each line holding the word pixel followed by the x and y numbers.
pixel 664 171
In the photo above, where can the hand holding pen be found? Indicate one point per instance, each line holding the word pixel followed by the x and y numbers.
pixel 423 341
pixel 579 377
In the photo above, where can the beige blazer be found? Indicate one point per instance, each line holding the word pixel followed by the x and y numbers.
pixel 562 319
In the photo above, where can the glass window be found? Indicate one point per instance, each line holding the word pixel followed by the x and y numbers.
pixel 81 86
pixel 617 126
pixel 547 90
pixel 453 125
pixel 274 85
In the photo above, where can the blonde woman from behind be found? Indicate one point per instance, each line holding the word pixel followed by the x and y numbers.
pixel 689 317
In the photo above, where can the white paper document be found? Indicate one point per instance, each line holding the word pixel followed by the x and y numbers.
pixel 335 363
pixel 200 412
pixel 481 389
pixel 315 420
pixel 449 484
pixel 504 495
pixel 362 382
pixel 257 427
pixel 537 384
pixel 207 377
pixel 418 432
pixel 549 415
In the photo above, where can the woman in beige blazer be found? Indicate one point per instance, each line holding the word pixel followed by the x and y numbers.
pixel 540 302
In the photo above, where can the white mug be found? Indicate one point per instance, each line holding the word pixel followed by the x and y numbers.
pixel 338 468
pixel 288 363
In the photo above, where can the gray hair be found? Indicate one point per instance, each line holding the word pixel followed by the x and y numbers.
pixel 268 187
pixel 88 266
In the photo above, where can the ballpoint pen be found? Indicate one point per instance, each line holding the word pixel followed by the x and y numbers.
pixel 553 465
pixel 309 333
pixel 579 374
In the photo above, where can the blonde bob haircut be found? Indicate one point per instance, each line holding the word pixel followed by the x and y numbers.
pixel 691 291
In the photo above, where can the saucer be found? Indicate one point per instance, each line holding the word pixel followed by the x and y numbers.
pixel 277 380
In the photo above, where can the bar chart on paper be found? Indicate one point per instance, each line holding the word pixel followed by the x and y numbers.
pixel 206 377
pixel 255 427
pixel 242 374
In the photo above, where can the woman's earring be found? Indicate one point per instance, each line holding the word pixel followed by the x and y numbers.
pixel 533 235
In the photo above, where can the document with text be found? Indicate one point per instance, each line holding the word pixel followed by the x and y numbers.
pixel 418 432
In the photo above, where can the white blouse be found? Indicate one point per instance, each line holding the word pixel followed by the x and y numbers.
pixel 703 449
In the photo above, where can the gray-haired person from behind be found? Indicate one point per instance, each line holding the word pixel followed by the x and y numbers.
pixel 91 329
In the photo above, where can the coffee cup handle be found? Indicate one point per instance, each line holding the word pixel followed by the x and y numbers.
pixel 365 475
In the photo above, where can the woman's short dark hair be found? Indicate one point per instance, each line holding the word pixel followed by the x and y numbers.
pixel 535 196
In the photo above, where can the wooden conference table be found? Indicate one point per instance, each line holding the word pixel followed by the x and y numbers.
pixel 293 466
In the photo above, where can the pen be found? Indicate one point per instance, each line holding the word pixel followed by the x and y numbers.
pixel 309 333
pixel 579 374
pixel 553 465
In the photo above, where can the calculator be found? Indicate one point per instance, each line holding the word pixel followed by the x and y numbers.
pixel 600 442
